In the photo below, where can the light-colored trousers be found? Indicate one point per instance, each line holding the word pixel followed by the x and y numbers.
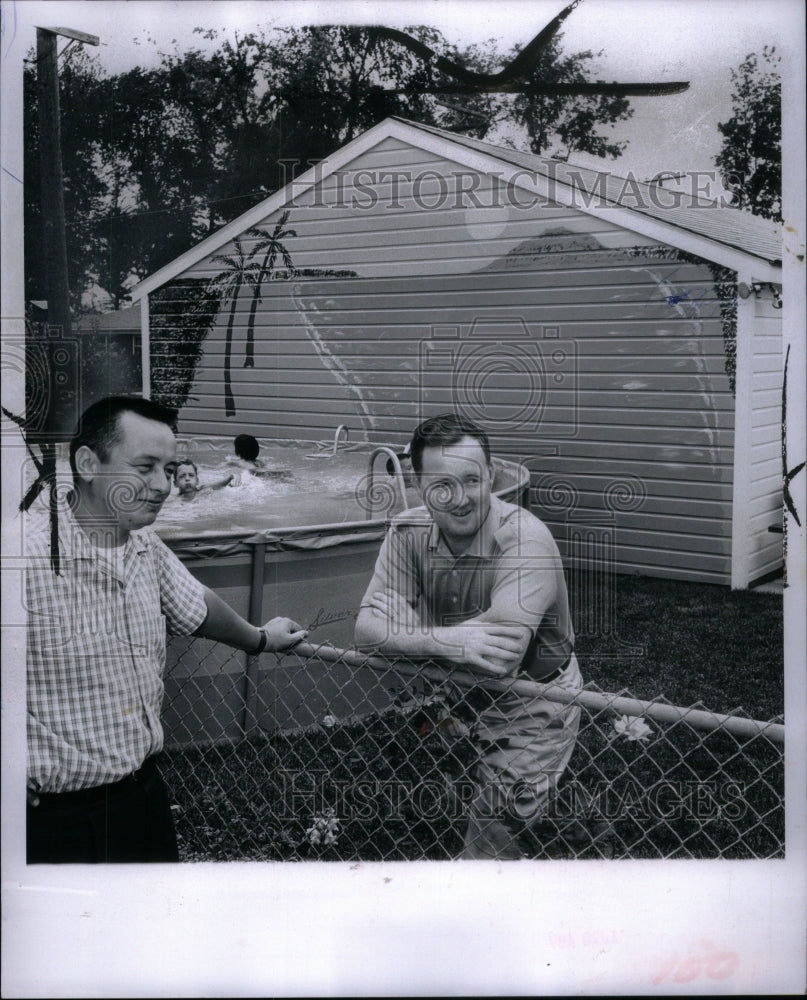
pixel 529 742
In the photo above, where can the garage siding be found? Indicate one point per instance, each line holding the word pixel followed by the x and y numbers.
pixel 586 351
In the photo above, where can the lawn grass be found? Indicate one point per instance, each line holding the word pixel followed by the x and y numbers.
pixel 700 643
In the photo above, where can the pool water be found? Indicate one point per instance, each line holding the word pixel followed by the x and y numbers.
pixel 295 485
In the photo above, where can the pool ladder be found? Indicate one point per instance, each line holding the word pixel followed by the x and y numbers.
pixel 370 491
pixel 339 430
pixel 329 451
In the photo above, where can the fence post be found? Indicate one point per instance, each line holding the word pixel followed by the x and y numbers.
pixel 250 719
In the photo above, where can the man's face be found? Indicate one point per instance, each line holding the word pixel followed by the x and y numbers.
pixel 455 482
pixel 131 485
pixel 186 479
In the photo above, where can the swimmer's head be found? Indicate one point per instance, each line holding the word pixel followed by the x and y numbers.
pixel 246 447
pixel 186 477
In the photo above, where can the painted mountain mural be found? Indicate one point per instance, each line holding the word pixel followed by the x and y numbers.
pixel 559 334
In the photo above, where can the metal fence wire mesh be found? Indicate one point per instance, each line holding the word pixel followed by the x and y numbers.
pixel 327 754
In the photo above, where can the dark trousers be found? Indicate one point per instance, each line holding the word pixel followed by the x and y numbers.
pixel 128 821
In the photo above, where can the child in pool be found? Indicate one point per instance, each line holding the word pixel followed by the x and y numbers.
pixel 186 477
pixel 247 450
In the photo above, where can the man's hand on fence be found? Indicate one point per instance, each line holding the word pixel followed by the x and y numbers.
pixel 281 633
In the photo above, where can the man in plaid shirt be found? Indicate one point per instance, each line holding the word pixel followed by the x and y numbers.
pixel 96 644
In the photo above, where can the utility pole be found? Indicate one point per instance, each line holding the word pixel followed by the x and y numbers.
pixel 62 355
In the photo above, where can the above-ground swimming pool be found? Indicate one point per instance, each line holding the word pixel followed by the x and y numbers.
pixel 299 538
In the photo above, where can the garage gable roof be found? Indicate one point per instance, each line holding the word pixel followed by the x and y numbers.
pixel 729 236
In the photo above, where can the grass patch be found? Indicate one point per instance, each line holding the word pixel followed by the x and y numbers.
pixel 700 644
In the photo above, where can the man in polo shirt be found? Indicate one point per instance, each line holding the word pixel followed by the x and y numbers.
pixel 474 581
pixel 96 644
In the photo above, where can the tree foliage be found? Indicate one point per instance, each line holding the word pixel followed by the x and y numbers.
pixel 155 160
pixel 751 155
pixel 575 121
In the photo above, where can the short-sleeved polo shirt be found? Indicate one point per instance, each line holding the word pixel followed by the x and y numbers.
pixel 512 568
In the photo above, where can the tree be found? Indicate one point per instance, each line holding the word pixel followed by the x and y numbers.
pixel 227 98
pixel 573 121
pixel 751 156
pixel 150 153
pixel 331 84
pixel 337 82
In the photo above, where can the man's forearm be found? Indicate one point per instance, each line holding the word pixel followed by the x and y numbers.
pixel 408 637
pixel 223 624
pixel 374 632
pixel 489 648
pixel 420 641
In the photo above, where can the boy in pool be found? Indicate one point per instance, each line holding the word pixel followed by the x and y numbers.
pixel 247 450
pixel 186 478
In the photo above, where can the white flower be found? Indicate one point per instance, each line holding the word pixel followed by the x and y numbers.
pixel 329 721
pixel 324 830
pixel 632 728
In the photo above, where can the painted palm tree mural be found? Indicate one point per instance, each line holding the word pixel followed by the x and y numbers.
pixel 271 246
pixel 240 270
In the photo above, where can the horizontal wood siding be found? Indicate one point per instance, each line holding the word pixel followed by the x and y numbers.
pixel 587 354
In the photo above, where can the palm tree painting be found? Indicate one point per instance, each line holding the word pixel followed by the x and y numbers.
pixel 240 270
pixel 270 245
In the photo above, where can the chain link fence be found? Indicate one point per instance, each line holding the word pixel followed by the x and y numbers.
pixel 333 755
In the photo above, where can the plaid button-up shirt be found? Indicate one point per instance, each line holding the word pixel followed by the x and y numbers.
pixel 96 652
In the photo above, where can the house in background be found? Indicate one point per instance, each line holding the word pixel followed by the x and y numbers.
pixel 102 356
pixel 622 341
pixel 112 360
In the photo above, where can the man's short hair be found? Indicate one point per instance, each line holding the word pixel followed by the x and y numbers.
pixel 441 431
pixel 246 447
pixel 185 461
pixel 98 426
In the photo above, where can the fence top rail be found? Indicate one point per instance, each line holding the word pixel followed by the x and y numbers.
pixel 697 718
